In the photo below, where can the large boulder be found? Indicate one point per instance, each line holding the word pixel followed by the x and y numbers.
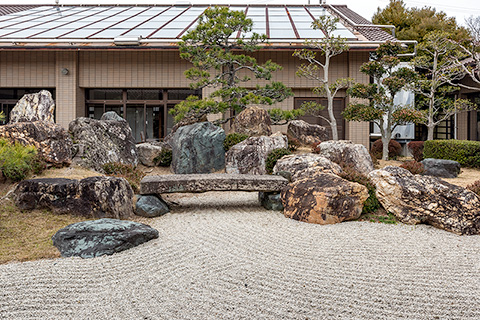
pixel 149 151
pixel 89 239
pixel 417 199
pixel 34 107
pixel 51 140
pixel 441 168
pixel 299 166
pixel 184 122
pixel 94 197
pixel 198 148
pixel 253 121
pixel 323 198
pixel 307 133
pixel 250 155
pixel 347 153
pixel 103 141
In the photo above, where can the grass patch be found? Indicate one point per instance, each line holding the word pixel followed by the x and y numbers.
pixel 379 216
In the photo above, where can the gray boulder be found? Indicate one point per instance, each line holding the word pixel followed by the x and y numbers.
pixel 250 155
pixel 253 121
pixel 347 153
pixel 34 107
pixel 271 200
pixel 307 133
pixel 441 168
pixel 94 197
pixel 148 151
pixel 198 148
pixel 51 140
pixel 417 199
pixel 150 206
pixel 111 115
pixel 103 141
pixel 301 165
pixel 90 239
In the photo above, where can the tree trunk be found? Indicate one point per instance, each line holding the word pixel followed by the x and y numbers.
pixel 430 131
pixel 331 115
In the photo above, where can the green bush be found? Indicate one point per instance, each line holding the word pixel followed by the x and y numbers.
pixel 371 204
pixel 273 158
pixel 467 153
pixel 394 149
pixel 164 159
pixel 232 139
pixel 18 161
pixel 132 174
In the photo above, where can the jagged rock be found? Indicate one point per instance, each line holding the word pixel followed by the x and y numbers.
pixel 417 199
pixel 34 107
pixel 347 153
pixel 111 115
pixel 94 197
pixel 198 148
pixel 90 239
pixel 148 151
pixel 103 141
pixel 250 155
pixel 303 165
pixel 307 133
pixel 441 168
pixel 253 121
pixel 323 198
pixel 150 206
pixel 51 140
pixel 270 200
pixel 184 122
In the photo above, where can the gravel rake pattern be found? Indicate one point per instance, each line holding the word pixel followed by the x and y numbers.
pixel 243 262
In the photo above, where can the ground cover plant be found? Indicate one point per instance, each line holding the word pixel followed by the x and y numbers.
pixel 371 204
pixel 132 174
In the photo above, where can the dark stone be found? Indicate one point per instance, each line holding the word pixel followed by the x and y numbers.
pixel 90 239
pixel 94 197
pixel 198 148
pixel 34 107
pixel 271 200
pixel 51 140
pixel 151 206
pixel 171 183
pixel 417 199
pixel 184 122
pixel 103 141
pixel 253 121
pixel 441 168
pixel 307 133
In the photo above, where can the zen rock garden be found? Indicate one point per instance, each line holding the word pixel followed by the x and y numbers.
pixel 308 187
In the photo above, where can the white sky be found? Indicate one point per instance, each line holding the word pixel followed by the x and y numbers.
pixel 460 9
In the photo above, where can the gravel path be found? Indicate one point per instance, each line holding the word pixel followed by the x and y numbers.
pixel 242 262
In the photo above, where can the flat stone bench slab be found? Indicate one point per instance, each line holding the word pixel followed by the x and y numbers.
pixel 173 183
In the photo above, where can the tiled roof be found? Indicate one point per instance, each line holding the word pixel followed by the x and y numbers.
pixel 14 8
pixel 371 33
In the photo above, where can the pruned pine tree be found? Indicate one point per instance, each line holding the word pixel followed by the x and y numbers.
pixel 220 60
pixel 317 68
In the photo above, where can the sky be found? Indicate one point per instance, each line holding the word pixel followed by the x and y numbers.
pixel 460 9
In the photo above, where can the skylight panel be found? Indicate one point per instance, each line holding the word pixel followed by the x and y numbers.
pixel 168 33
pixel 109 33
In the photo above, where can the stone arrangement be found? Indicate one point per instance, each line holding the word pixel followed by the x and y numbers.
pixel 441 168
pixel 148 151
pixel 347 153
pixel 307 133
pixel 253 121
pixel 34 107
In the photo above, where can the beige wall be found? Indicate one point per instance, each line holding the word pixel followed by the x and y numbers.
pixel 27 69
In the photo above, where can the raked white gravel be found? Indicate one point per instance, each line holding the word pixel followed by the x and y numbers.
pixel 240 261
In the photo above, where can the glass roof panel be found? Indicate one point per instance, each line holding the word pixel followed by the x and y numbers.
pixel 82 33
pixel 109 34
pixel 310 34
pixel 317 12
pixel 282 34
pixel 52 33
pixel 140 31
pixel 167 33
pixel 344 33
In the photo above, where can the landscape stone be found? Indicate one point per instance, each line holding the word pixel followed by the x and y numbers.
pixel 94 197
pixel 253 121
pixel 90 239
pixel 323 198
pixel 103 141
pixel 271 200
pixel 111 115
pixel 250 155
pixel 50 139
pixel 441 168
pixel 34 107
pixel 417 199
pixel 307 133
pixel 347 153
pixel 184 122
pixel 148 151
pixel 151 206
pixel 297 165
pixel 198 148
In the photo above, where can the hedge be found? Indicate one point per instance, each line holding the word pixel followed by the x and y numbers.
pixel 467 153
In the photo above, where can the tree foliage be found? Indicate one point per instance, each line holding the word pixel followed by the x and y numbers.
pixel 317 69
pixel 220 60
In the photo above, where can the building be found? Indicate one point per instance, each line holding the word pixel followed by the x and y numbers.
pixel 125 58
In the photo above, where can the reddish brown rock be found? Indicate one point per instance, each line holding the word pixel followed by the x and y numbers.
pixel 307 133
pixel 323 198
pixel 253 121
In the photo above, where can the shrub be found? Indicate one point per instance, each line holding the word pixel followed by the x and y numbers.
pixel 414 167
pixel 416 148
pixel 371 204
pixel 394 149
pixel 273 158
pixel 315 147
pixel 293 144
pixel 475 187
pixel 232 139
pixel 467 153
pixel 132 174
pixel 18 161
pixel 164 159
